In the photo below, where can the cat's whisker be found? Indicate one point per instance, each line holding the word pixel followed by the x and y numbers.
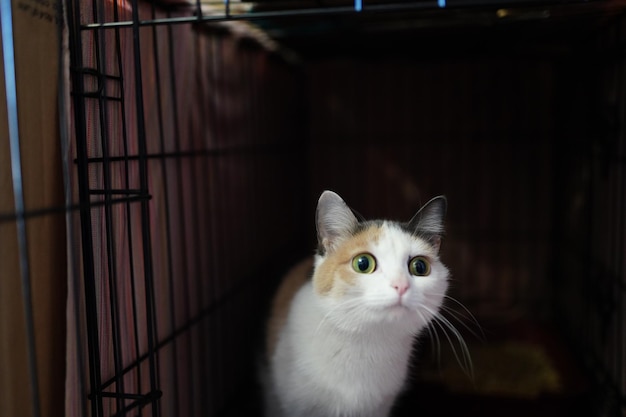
pixel 445 333
pixel 461 357
pixel 435 343
pixel 324 318
pixel 348 306
pixel 463 316
pixel 466 364
pixel 459 318
pixel 469 313
pixel 434 329
pixel 464 347
pixel 460 304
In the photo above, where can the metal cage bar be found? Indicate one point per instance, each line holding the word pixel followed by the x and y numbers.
pixel 317 11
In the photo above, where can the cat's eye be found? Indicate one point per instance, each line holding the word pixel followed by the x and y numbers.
pixel 364 263
pixel 419 266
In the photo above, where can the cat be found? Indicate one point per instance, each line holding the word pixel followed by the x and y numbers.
pixel 343 324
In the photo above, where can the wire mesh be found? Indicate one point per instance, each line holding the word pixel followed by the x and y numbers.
pixel 590 281
pixel 175 171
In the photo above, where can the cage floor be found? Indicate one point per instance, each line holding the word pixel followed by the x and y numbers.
pixel 521 369
pixel 501 385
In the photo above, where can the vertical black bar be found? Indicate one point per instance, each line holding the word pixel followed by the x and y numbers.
pixel 614 258
pixel 198 10
pixel 620 338
pixel 619 286
pixel 80 120
pixel 201 74
pixel 131 263
pixel 181 202
pixel 101 59
pixel 221 128
pixel 168 225
pixel 145 208
pixel 212 226
pixel 6 20
pixel 67 164
pixel 197 371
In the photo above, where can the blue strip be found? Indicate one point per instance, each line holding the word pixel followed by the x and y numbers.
pixel 8 53
pixel 441 3
pixel 358 5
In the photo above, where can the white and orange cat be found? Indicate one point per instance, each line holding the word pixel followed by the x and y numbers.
pixel 343 324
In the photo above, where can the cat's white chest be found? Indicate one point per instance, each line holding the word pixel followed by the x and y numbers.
pixel 317 371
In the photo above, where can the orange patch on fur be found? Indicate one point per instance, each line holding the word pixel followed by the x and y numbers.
pixel 336 265
pixel 293 281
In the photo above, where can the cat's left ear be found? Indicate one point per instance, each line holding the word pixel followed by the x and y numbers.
pixel 335 221
pixel 428 221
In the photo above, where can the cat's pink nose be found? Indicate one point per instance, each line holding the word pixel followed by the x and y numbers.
pixel 400 286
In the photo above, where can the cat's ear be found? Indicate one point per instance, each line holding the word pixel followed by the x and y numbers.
pixel 335 221
pixel 428 221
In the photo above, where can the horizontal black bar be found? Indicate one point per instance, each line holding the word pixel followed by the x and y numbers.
pixel 264 149
pixel 95 73
pixel 114 192
pixel 64 209
pixel 94 94
pixel 325 11
pixel 243 16
pixel 279 149
pixel 126 396
pixel 148 398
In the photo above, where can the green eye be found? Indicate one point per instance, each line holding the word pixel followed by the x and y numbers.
pixel 419 266
pixel 364 263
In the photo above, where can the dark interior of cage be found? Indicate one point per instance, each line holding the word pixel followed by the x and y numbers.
pixel 518 125
pixel 517 120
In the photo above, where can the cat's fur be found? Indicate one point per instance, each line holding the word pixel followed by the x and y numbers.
pixel 339 341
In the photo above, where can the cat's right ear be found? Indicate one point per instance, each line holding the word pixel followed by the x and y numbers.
pixel 428 222
pixel 334 220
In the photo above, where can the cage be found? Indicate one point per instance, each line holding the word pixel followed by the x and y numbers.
pixel 161 160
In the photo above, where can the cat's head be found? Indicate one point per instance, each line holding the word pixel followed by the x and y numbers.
pixel 379 271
